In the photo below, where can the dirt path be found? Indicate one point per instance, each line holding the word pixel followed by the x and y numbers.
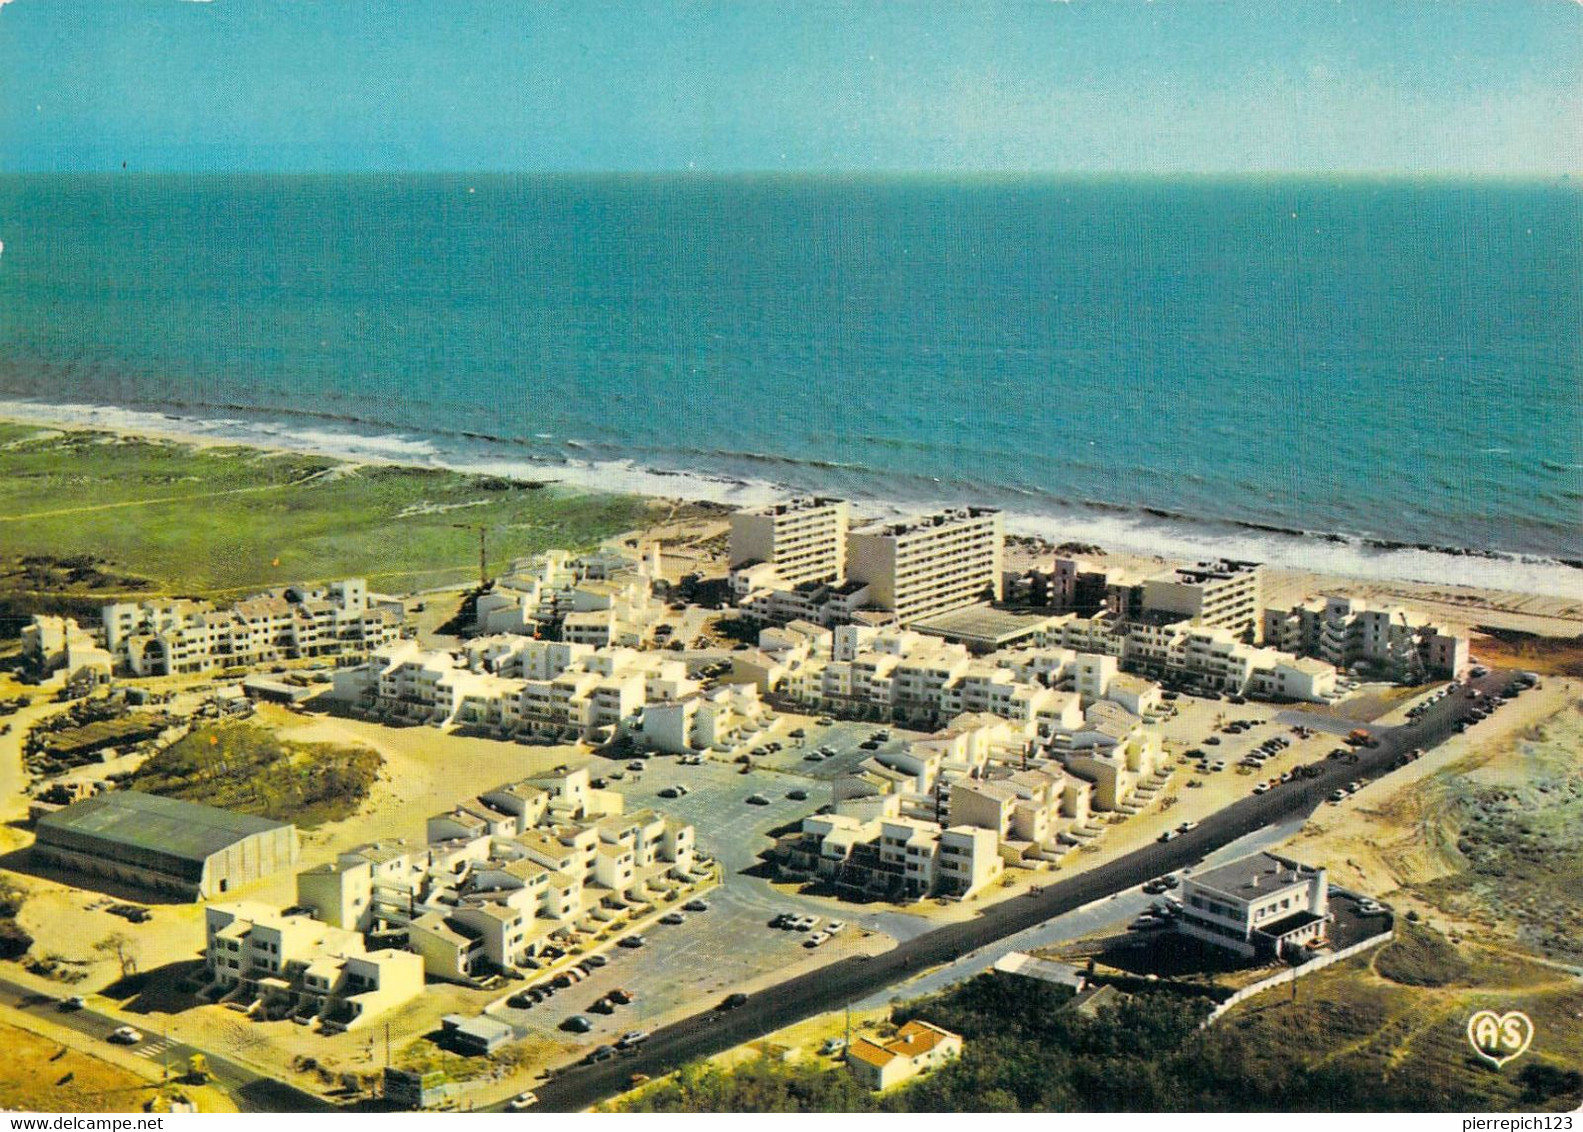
pixel 86 509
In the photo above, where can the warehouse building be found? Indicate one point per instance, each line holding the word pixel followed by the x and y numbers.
pixel 164 844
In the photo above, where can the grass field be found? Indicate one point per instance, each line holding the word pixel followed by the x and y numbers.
pixel 93 513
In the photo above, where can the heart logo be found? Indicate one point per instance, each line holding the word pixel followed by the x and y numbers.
pixel 1498 1038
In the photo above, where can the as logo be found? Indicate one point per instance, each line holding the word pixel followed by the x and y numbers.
pixel 1498 1038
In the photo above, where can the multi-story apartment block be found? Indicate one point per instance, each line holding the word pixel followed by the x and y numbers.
pixel 897 858
pixel 162 638
pixel 804 540
pixel 930 564
pixel 1345 632
pixel 1226 594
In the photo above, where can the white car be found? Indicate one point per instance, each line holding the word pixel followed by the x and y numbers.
pixel 522 1101
pixel 125 1036
pixel 816 939
pixel 834 926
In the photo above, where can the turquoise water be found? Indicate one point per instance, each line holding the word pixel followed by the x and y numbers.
pixel 1388 361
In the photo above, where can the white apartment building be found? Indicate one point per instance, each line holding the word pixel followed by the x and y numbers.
pixel 1225 594
pixel 895 858
pixel 804 540
pixel 598 694
pixel 1344 632
pixel 930 564
pixel 295 966
pixel 166 637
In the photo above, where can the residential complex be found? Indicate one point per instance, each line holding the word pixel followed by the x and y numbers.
pixel 599 599
pixel 513 685
pixel 1346 633
pixel 294 966
pixel 171 637
pixel 499 876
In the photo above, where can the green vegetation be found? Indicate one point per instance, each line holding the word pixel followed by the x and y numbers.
pixel 14 941
pixel 1347 1044
pixel 765 1085
pixel 85 516
pixel 1419 956
pixel 247 768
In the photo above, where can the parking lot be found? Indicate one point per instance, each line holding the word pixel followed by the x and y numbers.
pixel 731 946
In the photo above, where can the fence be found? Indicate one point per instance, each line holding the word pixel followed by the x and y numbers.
pixel 1293 973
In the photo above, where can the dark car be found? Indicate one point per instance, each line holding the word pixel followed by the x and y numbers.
pixel 577 1024
pixel 798 795
pixel 733 1000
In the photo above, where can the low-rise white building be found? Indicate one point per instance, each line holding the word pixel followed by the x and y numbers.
pixel 281 966
pixel 1257 905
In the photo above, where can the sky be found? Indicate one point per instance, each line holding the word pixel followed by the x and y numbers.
pixel 1395 87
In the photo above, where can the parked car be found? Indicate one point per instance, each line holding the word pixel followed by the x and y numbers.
pixel 577 1024
pixel 696 906
pixel 756 800
pixel 594 961
pixel 631 941
pixel 835 926
pixel 798 795
pixel 622 997
pixel 832 1047
pixel 673 918
pixel 816 939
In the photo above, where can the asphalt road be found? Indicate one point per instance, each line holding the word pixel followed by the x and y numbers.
pixel 252 1091
pixel 831 987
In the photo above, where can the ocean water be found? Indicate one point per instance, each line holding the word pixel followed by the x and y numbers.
pixel 1366 376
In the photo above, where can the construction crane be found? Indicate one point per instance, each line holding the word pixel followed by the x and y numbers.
pixel 483 558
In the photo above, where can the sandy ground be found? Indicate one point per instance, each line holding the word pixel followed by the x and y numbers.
pixel 53 1068
pixel 1375 841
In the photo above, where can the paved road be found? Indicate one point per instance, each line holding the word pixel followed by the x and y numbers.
pixel 252 1091
pixel 834 986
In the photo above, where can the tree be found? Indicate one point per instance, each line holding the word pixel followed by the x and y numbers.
pixel 118 945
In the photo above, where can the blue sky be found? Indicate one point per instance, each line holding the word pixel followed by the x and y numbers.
pixel 1366 86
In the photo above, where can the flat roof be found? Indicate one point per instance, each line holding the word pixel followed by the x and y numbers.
pixel 981 624
pixel 1248 877
pixel 189 830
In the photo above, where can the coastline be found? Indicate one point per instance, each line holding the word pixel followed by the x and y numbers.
pixel 1465 590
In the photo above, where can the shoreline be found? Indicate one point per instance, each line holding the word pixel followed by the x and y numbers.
pixel 1486 589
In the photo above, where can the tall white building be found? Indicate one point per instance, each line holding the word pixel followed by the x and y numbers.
pixel 930 564
pixel 1224 594
pixel 805 539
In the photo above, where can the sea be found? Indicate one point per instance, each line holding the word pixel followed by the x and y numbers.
pixel 1370 377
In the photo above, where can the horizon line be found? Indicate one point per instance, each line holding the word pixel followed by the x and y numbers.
pixel 834 173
